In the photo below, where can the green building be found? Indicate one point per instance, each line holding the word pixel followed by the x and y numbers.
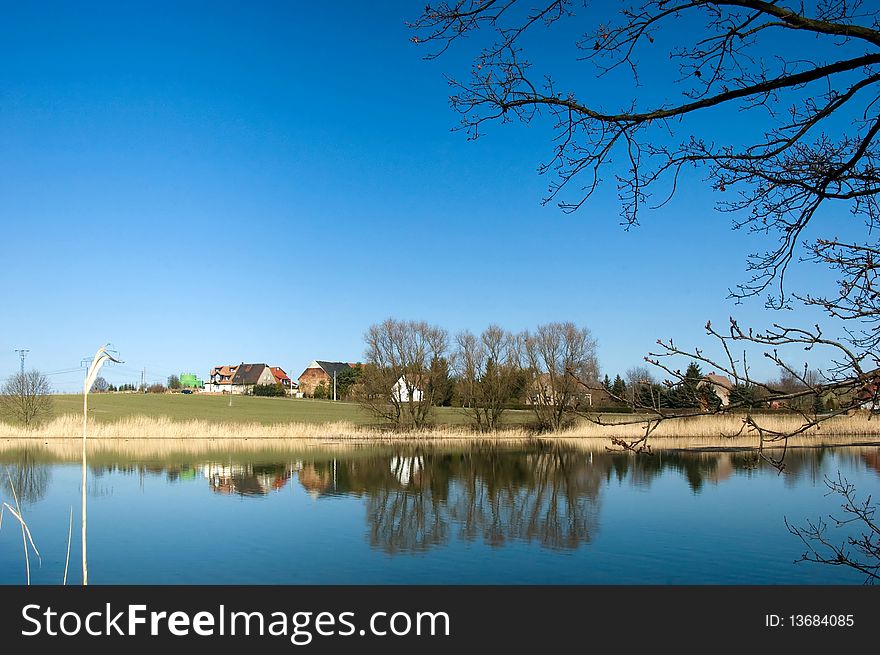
pixel 190 381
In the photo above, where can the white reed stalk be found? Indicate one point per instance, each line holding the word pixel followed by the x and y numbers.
pixel 69 535
pixel 91 375
pixel 25 531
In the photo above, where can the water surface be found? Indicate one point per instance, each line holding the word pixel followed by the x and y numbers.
pixel 475 514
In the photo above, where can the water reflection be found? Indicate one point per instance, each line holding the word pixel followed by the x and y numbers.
pixel 28 478
pixel 417 498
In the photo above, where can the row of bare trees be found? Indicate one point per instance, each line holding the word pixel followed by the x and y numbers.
pixel 411 366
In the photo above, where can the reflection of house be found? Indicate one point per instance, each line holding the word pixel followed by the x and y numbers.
pixel 220 379
pixel 319 372
pixel 315 480
pixel 245 480
pixel 406 469
pixel 720 385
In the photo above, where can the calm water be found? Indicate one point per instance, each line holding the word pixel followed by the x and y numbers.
pixel 406 515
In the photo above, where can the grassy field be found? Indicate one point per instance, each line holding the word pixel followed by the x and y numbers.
pixel 109 407
pixel 190 418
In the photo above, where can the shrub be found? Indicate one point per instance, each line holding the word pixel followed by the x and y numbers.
pixel 271 390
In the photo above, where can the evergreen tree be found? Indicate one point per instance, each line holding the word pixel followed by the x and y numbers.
pixel 618 389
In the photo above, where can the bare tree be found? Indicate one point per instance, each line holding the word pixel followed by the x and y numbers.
pixel 26 398
pixel 488 371
pixel 101 385
pixel 859 551
pixel 560 358
pixel 804 82
pixel 401 358
pixel 741 54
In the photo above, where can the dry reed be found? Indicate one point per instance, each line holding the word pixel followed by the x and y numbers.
pixel 149 436
pixel 147 427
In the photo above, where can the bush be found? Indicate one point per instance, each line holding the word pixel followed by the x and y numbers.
pixel 156 388
pixel 271 390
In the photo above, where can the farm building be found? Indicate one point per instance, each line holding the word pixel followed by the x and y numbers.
pixel 190 381
pixel 318 372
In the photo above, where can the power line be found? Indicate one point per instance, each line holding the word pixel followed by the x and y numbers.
pixel 66 371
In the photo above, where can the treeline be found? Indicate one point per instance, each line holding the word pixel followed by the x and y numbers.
pixel 411 367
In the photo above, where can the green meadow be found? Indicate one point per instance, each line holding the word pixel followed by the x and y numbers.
pixel 108 407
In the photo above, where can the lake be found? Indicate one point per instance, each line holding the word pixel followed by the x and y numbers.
pixel 520 513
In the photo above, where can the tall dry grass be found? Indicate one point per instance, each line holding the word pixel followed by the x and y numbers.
pixel 160 436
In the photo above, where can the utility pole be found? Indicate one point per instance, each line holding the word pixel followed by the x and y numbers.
pixel 22 353
pixel 144 379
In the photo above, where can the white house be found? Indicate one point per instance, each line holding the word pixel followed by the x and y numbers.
pixel 402 388
pixel 220 379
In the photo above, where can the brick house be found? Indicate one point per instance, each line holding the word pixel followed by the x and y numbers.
pixel 318 372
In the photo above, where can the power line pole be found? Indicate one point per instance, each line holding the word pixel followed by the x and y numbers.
pixel 22 352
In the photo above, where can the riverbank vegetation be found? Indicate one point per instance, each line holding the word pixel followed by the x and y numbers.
pixel 712 431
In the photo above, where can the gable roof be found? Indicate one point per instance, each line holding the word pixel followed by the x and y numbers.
pixel 719 380
pixel 227 371
pixel 248 373
pixel 279 373
pixel 333 367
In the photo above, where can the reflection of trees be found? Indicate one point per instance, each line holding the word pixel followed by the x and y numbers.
pixel 417 498
pixel 30 478
pixel 496 496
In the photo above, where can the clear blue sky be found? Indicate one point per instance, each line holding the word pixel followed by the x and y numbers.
pixel 227 182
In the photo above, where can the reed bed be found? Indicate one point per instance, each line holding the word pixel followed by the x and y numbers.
pixel 157 437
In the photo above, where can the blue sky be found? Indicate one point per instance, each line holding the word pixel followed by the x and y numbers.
pixel 224 182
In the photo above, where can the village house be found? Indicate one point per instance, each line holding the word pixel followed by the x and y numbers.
pixel 320 372
pixel 578 394
pixel 721 385
pixel 220 379
pixel 401 390
pixel 282 378
pixel 242 378
pixel 868 395
pixel 247 376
